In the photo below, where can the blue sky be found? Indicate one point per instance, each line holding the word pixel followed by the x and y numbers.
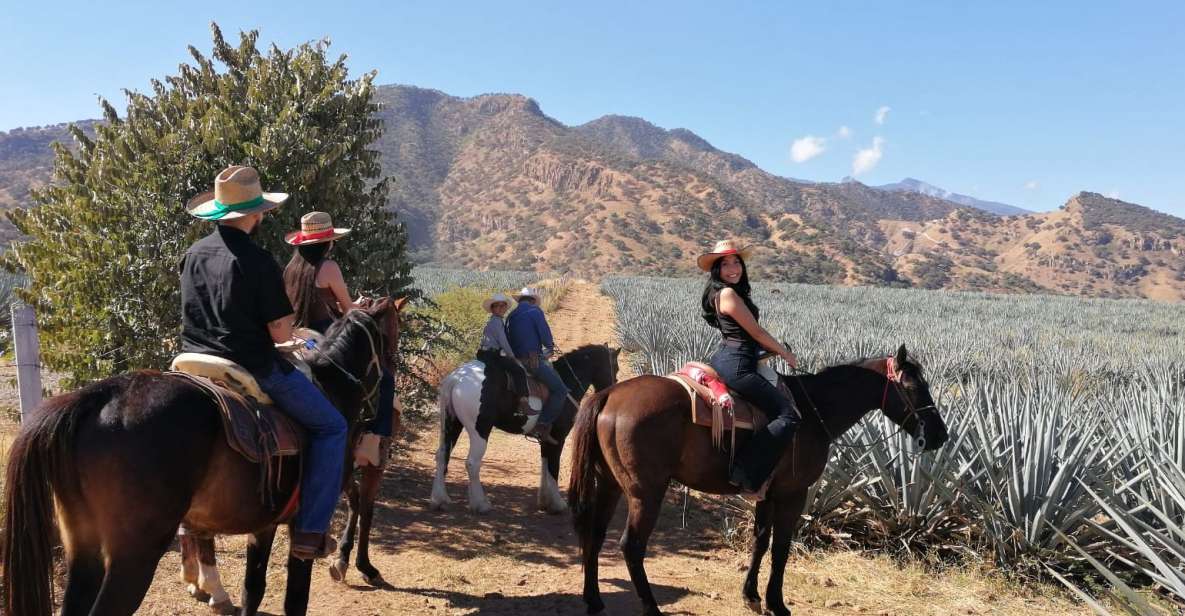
pixel 1021 102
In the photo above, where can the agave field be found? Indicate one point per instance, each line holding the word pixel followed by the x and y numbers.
pixel 1067 420
pixel 432 281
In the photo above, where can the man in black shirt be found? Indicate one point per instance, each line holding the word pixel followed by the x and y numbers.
pixel 234 306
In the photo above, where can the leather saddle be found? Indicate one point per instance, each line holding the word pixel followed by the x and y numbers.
pixel 714 405
pixel 254 427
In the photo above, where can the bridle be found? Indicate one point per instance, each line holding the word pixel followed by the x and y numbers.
pixel 375 363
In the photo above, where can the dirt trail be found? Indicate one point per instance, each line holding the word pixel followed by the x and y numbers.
pixel 517 561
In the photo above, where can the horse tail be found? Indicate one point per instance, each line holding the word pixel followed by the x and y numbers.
pixel 41 463
pixel 588 466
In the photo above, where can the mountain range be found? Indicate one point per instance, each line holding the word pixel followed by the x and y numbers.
pixel 918 186
pixel 493 182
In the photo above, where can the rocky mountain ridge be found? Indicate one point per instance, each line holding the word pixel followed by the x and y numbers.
pixel 493 182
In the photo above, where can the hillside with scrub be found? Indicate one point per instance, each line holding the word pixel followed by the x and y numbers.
pixel 493 182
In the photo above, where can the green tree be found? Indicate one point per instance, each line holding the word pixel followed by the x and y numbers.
pixel 106 238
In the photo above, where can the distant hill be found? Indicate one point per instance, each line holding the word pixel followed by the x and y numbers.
pixel 491 182
pixel 918 186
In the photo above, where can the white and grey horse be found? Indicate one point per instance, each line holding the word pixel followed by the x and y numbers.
pixel 469 400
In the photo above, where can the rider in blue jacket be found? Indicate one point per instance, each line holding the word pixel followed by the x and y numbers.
pixel 530 337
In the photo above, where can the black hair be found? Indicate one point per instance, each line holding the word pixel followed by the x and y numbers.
pixel 300 279
pixel 716 284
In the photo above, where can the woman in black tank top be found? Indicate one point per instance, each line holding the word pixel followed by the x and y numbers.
pixel 727 306
pixel 317 307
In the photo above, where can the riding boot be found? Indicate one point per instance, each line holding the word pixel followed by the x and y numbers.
pixel 756 461
pixel 542 431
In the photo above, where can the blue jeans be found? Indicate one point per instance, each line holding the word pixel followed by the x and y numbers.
pixel 555 386
pixel 384 412
pixel 321 482
pixel 737 366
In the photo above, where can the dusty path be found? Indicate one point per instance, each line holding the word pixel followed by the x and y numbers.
pixel 516 561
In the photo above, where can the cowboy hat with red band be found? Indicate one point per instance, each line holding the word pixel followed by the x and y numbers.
pixel 722 249
pixel 315 228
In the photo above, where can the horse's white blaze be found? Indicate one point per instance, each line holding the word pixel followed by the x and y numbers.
pixel 550 498
pixel 210 582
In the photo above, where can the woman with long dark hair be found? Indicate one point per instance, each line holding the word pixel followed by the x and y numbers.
pixel 319 296
pixel 727 306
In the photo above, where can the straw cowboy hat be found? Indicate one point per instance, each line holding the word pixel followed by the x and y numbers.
pixel 315 228
pixel 720 250
pixel 497 298
pixel 236 194
pixel 527 292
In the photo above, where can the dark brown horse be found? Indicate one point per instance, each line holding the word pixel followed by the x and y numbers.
pixel 199 564
pixel 129 458
pixel 637 436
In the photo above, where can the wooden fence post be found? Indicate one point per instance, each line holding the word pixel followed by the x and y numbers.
pixel 28 356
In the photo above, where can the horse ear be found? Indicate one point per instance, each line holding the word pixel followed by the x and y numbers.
pixel 379 307
pixel 616 351
pixel 901 355
pixel 400 303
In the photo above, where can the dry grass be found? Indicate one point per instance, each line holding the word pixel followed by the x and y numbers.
pixel 554 290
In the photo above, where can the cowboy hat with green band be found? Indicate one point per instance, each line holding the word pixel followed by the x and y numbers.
pixel 236 193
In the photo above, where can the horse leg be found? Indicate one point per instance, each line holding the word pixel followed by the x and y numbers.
pixel 208 586
pixel 478 503
pixel 371 477
pixel 84 576
pixel 608 495
pixel 300 575
pixel 190 569
pixel 550 499
pixel 450 431
pixel 259 552
pixel 337 570
pixel 644 508
pixel 129 574
pixel 787 515
pixel 761 535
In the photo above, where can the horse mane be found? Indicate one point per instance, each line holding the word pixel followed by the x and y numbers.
pixel 339 336
pixel 583 352
pixel 838 370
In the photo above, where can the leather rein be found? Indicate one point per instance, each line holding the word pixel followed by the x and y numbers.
pixel 375 364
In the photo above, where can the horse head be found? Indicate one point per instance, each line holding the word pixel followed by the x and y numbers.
pixel 387 312
pixel 914 408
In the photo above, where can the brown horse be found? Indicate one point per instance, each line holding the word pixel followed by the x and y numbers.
pixel 637 436
pixel 128 459
pixel 199 563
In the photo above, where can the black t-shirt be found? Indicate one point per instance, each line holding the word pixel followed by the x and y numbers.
pixel 230 290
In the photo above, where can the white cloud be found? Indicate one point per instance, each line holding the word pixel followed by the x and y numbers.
pixel 881 113
pixel 806 148
pixel 844 132
pixel 1032 185
pixel 866 159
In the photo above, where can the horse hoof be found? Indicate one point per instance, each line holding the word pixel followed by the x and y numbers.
pixel 754 606
pixel 439 505
pixel 481 508
pixel 375 580
pixel 337 571
pixel 197 593
pixel 224 608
